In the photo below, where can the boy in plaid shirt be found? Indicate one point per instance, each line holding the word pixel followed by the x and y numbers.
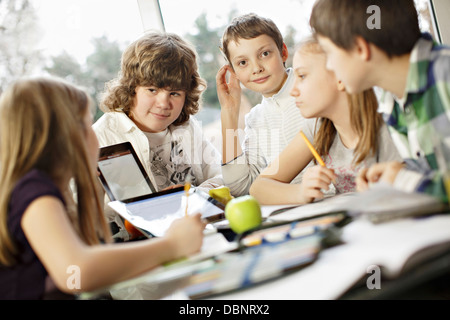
pixel 392 54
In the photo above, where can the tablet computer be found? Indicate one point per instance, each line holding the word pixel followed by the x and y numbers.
pixel 122 173
pixel 134 197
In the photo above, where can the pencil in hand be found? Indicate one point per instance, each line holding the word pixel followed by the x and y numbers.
pixel 315 154
pixel 313 151
pixel 187 187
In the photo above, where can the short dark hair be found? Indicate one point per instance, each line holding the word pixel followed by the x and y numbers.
pixel 250 26
pixel 343 20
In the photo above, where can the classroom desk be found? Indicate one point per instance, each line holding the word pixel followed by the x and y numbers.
pixel 413 255
pixel 399 254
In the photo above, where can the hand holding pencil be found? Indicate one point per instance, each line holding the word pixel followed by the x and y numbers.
pixel 313 151
pixel 315 179
pixel 187 187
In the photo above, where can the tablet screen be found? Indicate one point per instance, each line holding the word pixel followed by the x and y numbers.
pixel 123 176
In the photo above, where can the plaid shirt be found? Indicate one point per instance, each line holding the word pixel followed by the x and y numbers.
pixel 423 118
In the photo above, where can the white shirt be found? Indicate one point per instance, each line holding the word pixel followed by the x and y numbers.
pixel 269 127
pixel 197 152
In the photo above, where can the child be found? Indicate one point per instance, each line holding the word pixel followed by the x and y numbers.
pixel 349 134
pixel 256 55
pixel 150 104
pixel 402 61
pixel 47 237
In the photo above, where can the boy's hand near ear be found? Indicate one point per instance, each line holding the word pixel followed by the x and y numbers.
pixel 229 94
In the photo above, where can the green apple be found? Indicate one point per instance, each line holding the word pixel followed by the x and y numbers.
pixel 243 213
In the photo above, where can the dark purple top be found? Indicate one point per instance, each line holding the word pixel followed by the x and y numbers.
pixel 26 279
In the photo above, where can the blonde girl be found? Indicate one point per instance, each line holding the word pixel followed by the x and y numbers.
pixel 347 131
pixel 47 141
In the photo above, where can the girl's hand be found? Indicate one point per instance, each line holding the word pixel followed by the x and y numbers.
pixel 315 179
pixel 186 235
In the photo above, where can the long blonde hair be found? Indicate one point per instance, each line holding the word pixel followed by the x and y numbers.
pixel 364 117
pixel 41 127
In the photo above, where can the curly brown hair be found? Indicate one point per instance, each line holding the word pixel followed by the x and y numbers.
pixel 163 60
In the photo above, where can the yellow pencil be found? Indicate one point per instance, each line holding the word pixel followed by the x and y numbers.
pixel 313 151
pixel 187 187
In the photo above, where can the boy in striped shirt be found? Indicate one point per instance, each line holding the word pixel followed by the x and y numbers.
pixel 380 44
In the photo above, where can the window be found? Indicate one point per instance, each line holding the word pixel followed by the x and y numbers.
pixel 82 40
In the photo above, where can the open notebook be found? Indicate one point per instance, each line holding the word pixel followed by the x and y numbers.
pixel 379 204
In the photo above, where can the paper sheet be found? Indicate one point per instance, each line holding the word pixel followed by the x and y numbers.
pixel 332 204
pixel 378 204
